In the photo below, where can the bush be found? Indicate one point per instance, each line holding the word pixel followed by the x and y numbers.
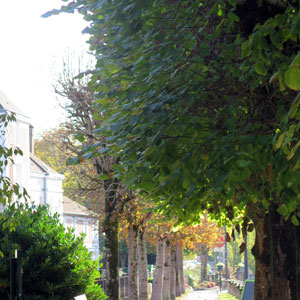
pixel 191 280
pixel 56 265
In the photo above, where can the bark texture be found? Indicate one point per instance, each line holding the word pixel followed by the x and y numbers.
pixel 173 273
pixel 142 256
pixel 111 228
pixel 166 277
pixel 177 273
pixel 132 262
pixel 276 251
pixel 159 271
pixel 204 259
pixel 180 268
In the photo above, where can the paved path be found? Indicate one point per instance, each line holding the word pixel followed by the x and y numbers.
pixel 211 294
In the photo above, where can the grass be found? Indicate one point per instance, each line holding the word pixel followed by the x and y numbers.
pixel 227 297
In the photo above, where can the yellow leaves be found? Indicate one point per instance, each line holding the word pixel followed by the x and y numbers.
pixel 293 151
pixel 279 141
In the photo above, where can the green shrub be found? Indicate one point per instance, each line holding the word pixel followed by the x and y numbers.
pixel 191 280
pixel 227 297
pixel 56 265
pixel 195 274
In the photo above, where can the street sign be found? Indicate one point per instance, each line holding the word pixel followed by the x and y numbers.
pixel 220 243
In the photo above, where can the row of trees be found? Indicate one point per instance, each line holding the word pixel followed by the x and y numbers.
pixel 200 102
pixel 93 183
pixel 139 223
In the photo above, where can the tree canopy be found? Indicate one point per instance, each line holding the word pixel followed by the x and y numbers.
pixel 196 94
pixel 200 102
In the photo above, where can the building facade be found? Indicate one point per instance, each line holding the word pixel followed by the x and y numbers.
pixel 43 184
pixel 80 219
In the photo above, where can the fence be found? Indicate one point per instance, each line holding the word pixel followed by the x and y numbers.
pixel 123 286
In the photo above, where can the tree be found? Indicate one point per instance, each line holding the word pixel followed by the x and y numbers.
pixel 204 113
pixel 136 215
pixel 56 265
pixel 54 147
pixel 157 288
pixel 102 189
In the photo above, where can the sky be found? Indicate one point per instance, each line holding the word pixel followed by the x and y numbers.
pixel 31 54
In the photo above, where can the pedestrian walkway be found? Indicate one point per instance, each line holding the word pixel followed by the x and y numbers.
pixel 209 294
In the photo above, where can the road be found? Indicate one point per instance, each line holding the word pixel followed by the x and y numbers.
pixel 211 294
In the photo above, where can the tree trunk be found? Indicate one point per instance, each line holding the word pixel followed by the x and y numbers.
pixel 177 274
pixel 123 260
pixel 276 251
pixel 111 229
pixel 143 274
pixel 204 260
pixel 132 262
pixel 159 271
pixel 173 273
pixel 180 268
pixel 166 277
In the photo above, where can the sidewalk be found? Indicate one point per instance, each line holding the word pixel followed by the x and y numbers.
pixel 209 294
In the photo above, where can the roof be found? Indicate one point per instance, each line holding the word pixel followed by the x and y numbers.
pixel 38 166
pixel 74 208
pixel 8 105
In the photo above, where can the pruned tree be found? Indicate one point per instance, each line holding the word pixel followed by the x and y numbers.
pixel 95 171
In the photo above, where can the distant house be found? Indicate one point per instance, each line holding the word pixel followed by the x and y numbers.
pixel 83 221
pixel 17 134
pixel 43 184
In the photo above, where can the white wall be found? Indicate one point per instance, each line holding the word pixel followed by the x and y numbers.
pixel 47 190
pixel 17 135
pixel 88 226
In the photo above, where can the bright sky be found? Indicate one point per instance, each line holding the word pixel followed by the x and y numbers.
pixel 31 49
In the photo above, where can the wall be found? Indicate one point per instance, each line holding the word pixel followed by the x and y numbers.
pixel 88 226
pixel 17 135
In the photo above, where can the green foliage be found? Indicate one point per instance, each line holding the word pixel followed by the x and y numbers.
pixel 226 297
pixel 56 265
pixel 234 256
pixel 191 280
pixel 195 103
pixel 193 275
pixel 55 147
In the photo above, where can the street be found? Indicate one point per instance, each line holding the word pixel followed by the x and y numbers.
pixel 211 294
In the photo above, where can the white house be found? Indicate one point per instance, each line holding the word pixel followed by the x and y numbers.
pixel 17 135
pixel 43 184
pixel 78 217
